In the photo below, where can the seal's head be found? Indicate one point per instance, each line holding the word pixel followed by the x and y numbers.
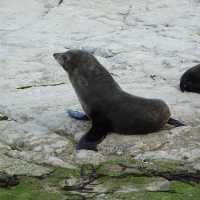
pixel 85 72
pixel 190 80
pixel 73 59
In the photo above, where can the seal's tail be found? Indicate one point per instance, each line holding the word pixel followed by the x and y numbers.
pixel 175 122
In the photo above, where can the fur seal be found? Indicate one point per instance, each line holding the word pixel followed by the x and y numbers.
pixel 109 107
pixel 190 80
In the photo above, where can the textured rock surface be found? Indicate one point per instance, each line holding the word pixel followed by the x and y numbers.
pixel 145 45
pixel 178 143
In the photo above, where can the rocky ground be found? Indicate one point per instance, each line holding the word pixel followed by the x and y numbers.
pixel 146 45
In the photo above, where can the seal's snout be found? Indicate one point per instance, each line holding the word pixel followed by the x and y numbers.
pixel 56 55
pixel 59 58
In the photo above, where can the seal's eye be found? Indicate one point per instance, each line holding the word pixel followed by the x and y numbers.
pixel 66 58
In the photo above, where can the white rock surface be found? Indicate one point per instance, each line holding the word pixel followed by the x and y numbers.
pixel 146 45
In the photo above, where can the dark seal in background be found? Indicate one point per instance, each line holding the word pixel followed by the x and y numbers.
pixel 190 80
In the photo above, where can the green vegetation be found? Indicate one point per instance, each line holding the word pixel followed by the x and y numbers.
pixel 113 182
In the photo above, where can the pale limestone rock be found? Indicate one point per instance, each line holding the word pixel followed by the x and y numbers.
pixel 20 167
pixel 177 144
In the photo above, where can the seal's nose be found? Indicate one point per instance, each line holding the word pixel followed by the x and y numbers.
pixel 59 57
pixel 55 55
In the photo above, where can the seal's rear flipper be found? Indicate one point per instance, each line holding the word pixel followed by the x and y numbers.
pixel 175 122
pixel 77 115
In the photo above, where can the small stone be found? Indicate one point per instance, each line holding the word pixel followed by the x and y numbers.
pixel 119 153
pixel 68 181
pixel 161 185
pixel 196 165
pixel 127 189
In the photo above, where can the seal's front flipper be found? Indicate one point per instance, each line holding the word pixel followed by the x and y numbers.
pixel 175 122
pixel 77 115
pixel 92 138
